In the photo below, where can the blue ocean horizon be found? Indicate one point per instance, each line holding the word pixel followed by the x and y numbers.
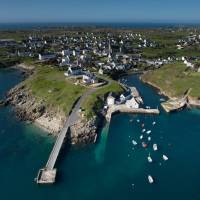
pixel 122 25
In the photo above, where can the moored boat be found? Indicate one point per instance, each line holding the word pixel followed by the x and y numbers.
pixel 134 142
pixel 149 159
pixel 143 130
pixel 165 157
pixel 144 145
pixel 155 147
pixel 148 132
pixel 150 179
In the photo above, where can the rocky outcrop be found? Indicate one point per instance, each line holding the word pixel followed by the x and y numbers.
pixel 83 132
pixel 28 108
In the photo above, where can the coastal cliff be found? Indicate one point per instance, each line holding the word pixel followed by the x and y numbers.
pixel 29 108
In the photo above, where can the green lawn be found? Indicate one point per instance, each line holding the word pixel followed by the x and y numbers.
pixel 175 79
pixel 49 84
pixel 95 102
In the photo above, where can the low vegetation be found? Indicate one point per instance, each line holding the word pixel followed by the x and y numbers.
pixel 175 79
pixel 49 84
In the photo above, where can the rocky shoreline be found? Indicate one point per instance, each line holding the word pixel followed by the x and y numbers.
pixel 29 108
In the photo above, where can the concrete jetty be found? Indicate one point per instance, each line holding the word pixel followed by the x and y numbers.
pixel 175 104
pixel 47 174
pixel 124 109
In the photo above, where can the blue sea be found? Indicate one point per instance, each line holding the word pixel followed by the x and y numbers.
pixel 142 25
pixel 111 169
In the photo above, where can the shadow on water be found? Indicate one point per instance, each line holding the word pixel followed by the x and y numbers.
pixel 101 145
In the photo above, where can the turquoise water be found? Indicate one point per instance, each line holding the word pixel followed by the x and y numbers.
pixel 111 169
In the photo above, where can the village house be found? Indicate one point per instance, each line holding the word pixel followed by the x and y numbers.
pixel 74 71
pixel 46 57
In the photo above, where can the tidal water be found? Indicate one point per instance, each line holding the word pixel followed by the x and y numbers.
pixel 111 169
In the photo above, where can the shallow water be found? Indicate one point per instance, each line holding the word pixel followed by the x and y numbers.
pixel 109 169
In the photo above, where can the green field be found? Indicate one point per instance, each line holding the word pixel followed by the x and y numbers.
pixel 95 102
pixel 175 79
pixel 166 44
pixel 49 84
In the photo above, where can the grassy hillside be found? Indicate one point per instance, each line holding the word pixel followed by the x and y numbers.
pixel 175 79
pixel 49 84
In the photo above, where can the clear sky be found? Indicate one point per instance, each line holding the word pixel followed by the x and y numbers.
pixel 99 10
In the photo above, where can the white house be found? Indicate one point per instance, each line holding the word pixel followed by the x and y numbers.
pixel 132 103
pixel 46 57
pixel 110 100
pixel 65 52
pixel 74 71
pixel 88 79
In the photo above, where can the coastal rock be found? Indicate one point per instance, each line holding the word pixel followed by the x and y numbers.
pixel 83 132
pixel 28 108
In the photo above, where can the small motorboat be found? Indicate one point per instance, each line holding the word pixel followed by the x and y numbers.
pixel 154 123
pixel 165 157
pixel 149 159
pixel 148 132
pixel 149 138
pixel 143 125
pixel 134 142
pixel 143 130
pixel 144 145
pixel 155 147
pixel 141 137
pixel 150 179
pixel 138 120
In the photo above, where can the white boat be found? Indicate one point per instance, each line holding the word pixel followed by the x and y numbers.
pixel 165 157
pixel 155 147
pixel 149 138
pixel 149 159
pixel 148 132
pixel 138 120
pixel 141 137
pixel 154 123
pixel 143 130
pixel 150 178
pixel 134 142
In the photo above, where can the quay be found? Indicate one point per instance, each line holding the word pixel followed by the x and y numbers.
pixel 176 104
pixel 124 109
